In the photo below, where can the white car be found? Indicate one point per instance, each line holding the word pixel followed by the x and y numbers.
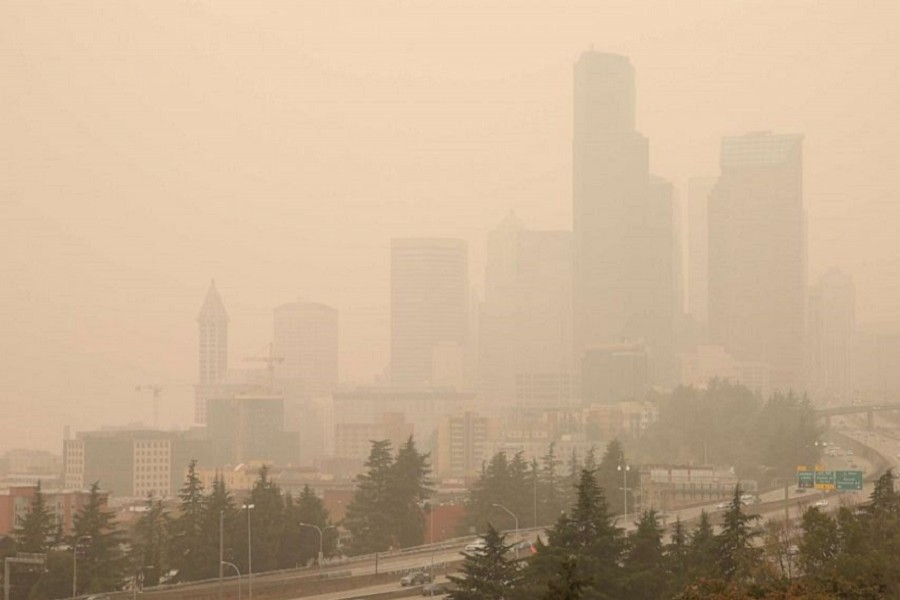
pixel 820 503
pixel 477 546
pixel 723 505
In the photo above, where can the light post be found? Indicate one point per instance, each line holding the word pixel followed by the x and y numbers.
pixel 624 469
pixel 513 515
pixel 84 538
pixel 236 570
pixel 221 550
pixel 321 531
pixel 135 582
pixel 249 507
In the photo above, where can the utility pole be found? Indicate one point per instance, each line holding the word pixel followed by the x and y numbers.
pixel 249 554
pixel 624 469
pixel 221 550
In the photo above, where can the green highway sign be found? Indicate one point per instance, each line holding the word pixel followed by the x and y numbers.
pixel 824 480
pixel 806 479
pixel 848 480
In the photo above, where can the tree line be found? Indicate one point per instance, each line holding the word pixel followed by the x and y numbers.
pixel 169 546
pixel 852 554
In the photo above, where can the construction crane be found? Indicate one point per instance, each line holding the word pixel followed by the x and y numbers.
pixel 271 360
pixel 157 390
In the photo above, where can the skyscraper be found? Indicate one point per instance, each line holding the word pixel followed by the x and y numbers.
pixel 757 254
pixel 699 189
pixel 212 322
pixel 832 332
pixel 429 309
pixel 306 341
pixel 526 316
pixel 623 220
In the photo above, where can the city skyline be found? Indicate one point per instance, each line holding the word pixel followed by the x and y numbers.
pixel 149 312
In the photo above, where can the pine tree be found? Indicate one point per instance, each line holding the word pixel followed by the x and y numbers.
pixel 368 516
pixel 611 478
pixel 38 527
pixel 702 551
pixel 220 520
pixel 646 576
pixel 185 542
pixel 408 488
pixel 149 551
pixel 550 493
pixel 266 520
pixel 487 574
pixel 587 533
pixel 310 510
pixel 676 556
pixel 566 584
pixel 738 557
pixel 101 566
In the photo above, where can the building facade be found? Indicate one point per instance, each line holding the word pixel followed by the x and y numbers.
pixel 623 221
pixel 132 463
pixel 306 344
pixel 832 335
pixel 757 255
pixel 429 307
pixel 212 322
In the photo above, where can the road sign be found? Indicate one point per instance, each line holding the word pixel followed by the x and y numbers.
pixel 824 480
pixel 848 480
pixel 806 479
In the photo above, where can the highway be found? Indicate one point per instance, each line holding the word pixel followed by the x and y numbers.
pixel 771 506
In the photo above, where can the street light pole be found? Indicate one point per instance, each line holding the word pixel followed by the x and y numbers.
pixel 75 563
pixel 513 515
pixel 624 469
pixel 221 550
pixel 249 554
pixel 236 570
pixel 321 537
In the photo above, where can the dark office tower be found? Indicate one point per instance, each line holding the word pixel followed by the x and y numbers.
pixel 213 330
pixel 757 254
pixel 623 221
pixel 429 312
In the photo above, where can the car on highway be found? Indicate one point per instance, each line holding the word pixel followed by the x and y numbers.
pixel 723 505
pixel 415 578
pixel 820 503
pixel 800 491
pixel 477 546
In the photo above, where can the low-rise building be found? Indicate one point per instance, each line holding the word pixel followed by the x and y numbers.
pixel 63 505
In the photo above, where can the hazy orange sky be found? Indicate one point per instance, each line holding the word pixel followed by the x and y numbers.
pixel 146 147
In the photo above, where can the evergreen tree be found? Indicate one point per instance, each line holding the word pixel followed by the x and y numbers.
pixel 702 551
pixel 149 550
pixel 588 534
pixel 611 479
pixel 677 560
pixel 219 521
pixel 185 542
pixel 737 555
pixel 266 520
pixel 566 584
pixel 38 527
pixel 101 566
pixel 645 577
pixel 369 517
pixel 408 489
pixel 487 574
pixel 551 495
pixel 820 545
pixel 310 510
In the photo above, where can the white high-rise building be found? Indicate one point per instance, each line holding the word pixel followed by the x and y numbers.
pixel 699 189
pixel 306 345
pixel 757 255
pixel 429 307
pixel 212 323
pixel 832 331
